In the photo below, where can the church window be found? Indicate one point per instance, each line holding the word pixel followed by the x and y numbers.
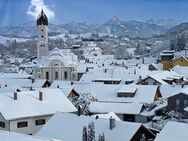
pixel 47 75
pixel 42 36
pixel 42 29
pixel 56 75
pixel 65 74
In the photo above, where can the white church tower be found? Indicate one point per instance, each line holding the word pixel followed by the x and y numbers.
pixel 42 44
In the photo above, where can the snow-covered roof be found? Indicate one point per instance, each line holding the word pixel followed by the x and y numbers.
pixel 107 116
pixel 69 128
pixel 183 70
pixel 29 104
pixel 12 136
pixel 173 131
pixel 10 85
pixel 38 83
pixel 132 72
pixel 128 89
pixel 108 93
pixel 180 57
pixel 14 76
pixel 64 86
pixel 118 108
pixel 165 75
pixel 65 56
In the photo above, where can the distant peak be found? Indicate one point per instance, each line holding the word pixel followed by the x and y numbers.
pixel 114 18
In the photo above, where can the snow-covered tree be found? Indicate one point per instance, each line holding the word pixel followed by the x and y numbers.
pixel 83 102
pixel 178 43
pixel 91 132
pixel 101 137
pixel 84 134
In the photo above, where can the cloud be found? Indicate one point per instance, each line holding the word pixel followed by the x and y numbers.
pixel 35 7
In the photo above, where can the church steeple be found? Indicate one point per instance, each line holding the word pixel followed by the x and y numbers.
pixel 42 44
pixel 42 19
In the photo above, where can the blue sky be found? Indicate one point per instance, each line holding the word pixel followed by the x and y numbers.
pixel 13 12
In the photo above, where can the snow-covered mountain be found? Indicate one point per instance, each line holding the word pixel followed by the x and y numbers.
pixel 112 26
pixel 178 29
pixel 131 28
pixel 28 29
pixel 80 27
pixel 168 23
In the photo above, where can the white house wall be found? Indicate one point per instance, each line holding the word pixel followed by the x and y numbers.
pixel 31 128
pixel 6 123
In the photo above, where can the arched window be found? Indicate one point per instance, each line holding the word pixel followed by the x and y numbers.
pixel 47 75
pixel 56 75
pixel 65 74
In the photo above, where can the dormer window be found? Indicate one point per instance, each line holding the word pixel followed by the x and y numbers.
pixel 127 91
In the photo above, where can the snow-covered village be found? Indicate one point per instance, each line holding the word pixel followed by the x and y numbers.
pixel 93 70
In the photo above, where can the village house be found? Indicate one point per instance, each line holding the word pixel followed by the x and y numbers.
pixel 112 129
pixel 178 102
pixel 162 78
pixel 26 112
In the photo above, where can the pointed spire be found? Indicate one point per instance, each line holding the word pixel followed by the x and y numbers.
pixel 42 19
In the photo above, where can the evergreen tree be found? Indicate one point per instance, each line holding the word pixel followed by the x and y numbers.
pixel 101 137
pixel 84 134
pixel 178 43
pixel 91 132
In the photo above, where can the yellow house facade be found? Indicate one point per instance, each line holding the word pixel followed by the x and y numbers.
pixel 181 61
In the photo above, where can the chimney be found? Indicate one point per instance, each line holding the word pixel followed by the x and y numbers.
pixel 33 80
pixel 182 85
pixel 15 95
pixel 112 123
pixel 40 95
pixel 96 117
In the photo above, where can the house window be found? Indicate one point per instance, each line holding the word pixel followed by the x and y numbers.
pixel 40 122
pixel 177 102
pixel 56 75
pixel 145 83
pixel 65 74
pixel 47 75
pixel 22 124
pixel 185 102
pixel 2 124
pixel 155 83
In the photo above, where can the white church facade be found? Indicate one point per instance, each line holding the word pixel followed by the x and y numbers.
pixel 58 64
